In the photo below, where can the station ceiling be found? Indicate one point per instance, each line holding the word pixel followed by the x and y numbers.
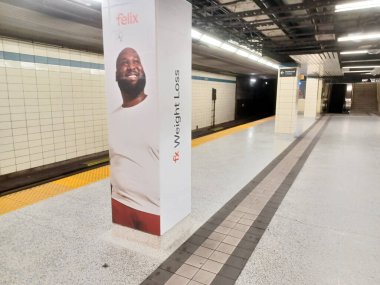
pixel 303 32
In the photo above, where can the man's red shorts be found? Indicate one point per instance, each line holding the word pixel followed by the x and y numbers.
pixel 129 217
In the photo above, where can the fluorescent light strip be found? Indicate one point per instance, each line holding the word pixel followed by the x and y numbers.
pixel 210 40
pixel 228 47
pixel 231 48
pixel 195 34
pixel 361 61
pixel 357 5
pixel 364 66
pixel 354 52
pixel 242 53
pixel 254 57
pixel 359 37
pixel 356 71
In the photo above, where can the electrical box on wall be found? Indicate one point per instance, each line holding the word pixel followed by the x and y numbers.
pixel 213 94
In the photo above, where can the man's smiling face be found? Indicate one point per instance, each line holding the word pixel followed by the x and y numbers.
pixel 130 74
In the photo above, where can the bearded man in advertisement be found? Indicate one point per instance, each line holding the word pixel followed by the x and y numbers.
pixel 134 151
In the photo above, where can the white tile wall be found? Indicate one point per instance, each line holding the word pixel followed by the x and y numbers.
pixel 378 97
pixel 49 113
pixel 202 103
pixel 319 100
pixel 300 105
pixel 286 104
pixel 311 97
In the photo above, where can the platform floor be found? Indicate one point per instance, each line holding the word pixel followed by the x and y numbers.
pixel 324 226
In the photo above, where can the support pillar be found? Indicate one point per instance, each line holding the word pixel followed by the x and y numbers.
pixel 286 103
pixel 378 97
pixel 311 97
pixel 319 99
pixel 147 56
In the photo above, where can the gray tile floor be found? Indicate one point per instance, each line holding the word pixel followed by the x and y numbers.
pixel 326 231
pixel 239 225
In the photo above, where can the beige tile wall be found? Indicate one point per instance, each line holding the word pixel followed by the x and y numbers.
pixel 319 99
pixel 286 104
pixel 311 97
pixel 49 113
pixel 202 103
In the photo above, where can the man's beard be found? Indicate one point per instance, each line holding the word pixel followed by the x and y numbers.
pixel 132 91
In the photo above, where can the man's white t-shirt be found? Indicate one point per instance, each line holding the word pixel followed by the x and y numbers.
pixel 134 155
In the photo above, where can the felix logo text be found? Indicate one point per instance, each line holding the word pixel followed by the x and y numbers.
pixel 128 19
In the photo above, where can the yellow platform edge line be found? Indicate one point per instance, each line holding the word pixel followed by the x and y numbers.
pixel 48 190
pixel 45 191
pixel 230 131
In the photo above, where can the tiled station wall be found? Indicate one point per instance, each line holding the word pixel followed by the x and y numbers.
pixel 286 104
pixel 301 105
pixel 312 87
pixel 378 96
pixel 53 108
pixel 52 105
pixel 202 105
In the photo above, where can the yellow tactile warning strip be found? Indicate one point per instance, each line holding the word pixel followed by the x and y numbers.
pixel 33 195
pixel 227 132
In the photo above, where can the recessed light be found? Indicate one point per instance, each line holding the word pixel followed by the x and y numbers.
pixel 228 47
pixel 195 34
pixel 354 52
pixel 363 66
pixel 356 71
pixel 359 37
pixel 242 53
pixel 210 40
pixel 357 5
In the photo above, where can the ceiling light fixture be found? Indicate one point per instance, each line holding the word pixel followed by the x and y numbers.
pixel 210 40
pixel 242 53
pixel 228 47
pixel 357 5
pixel 363 66
pixel 232 47
pixel 195 34
pixel 354 52
pixel 254 57
pixel 359 37
pixel 356 71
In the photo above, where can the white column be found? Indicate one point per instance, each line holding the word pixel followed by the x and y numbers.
pixel 311 97
pixel 286 103
pixel 147 54
pixel 378 97
pixel 319 99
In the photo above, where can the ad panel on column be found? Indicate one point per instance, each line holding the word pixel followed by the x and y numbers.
pixel 174 84
pixel 131 90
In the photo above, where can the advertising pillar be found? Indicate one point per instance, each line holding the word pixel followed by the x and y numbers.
pixel 147 55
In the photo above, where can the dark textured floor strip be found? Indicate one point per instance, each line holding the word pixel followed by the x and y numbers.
pixel 256 231
pixel 235 264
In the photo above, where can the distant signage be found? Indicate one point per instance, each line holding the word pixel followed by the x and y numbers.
pixel 291 72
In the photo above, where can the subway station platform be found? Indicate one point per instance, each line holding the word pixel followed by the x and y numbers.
pixel 266 209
